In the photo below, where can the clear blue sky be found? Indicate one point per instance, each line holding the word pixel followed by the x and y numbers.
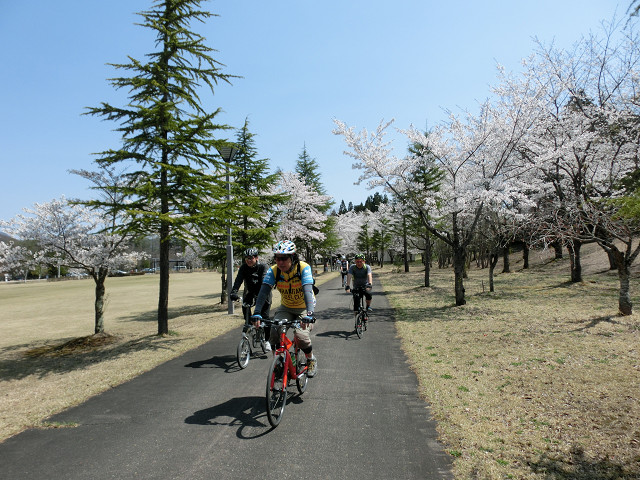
pixel 304 63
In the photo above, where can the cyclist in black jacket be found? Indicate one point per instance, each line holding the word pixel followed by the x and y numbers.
pixel 251 273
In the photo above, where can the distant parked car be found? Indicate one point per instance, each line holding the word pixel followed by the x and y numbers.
pixel 119 273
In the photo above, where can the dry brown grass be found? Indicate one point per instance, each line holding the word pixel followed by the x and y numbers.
pixel 49 362
pixel 538 380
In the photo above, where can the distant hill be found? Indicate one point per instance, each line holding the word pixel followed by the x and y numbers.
pixel 6 238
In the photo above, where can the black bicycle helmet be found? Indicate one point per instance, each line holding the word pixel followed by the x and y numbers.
pixel 251 252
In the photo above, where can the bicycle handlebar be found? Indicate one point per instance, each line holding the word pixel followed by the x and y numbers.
pixel 360 289
pixel 287 323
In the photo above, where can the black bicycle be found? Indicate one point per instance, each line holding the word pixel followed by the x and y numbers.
pixel 362 316
pixel 252 338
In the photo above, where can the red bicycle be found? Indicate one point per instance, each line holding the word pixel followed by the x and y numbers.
pixel 288 364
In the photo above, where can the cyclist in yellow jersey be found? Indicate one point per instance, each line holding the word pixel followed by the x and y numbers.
pixel 294 280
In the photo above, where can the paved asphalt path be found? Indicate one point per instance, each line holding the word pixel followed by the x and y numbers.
pixel 200 417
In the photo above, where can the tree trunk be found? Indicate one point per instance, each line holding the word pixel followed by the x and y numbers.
pixel 427 261
pixel 459 260
pixel 612 260
pixel 99 277
pixel 576 265
pixel 404 235
pixel 525 255
pixel 163 300
pixel 467 265
pixel 505 260
pixel 223 278
pixel 493 261
pixel 624 298
pixel 557 246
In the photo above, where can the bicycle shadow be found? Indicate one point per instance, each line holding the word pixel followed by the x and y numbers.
pixel 227 362
pixel 346 335
pixel 246 413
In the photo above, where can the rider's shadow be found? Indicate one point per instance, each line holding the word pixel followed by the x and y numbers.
pixel 242 412
pixel 227 362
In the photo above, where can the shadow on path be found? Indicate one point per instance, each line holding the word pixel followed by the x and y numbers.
pixel 227 362
pixel 246 413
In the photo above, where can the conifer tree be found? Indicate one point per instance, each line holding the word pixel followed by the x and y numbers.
pixel 168 137
pixel 307 168
pixel 252 193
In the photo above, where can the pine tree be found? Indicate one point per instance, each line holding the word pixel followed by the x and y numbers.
pixel 307 169
pixel 168 137
pixel 251 191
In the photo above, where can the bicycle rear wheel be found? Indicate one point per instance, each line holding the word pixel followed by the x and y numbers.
pixel 276 391
pixel 244 352
pixel 302 379
pixel 359 328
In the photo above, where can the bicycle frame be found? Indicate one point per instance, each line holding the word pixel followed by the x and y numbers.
pixel 284 348
pixel 359 292
pixel 282 370
pixel 361 313
pixel 251 337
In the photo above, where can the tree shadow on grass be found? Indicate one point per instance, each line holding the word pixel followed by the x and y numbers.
pixel 593 322
pixel 176 312
pixel 576 466
pixel 77 354
pixel 427 314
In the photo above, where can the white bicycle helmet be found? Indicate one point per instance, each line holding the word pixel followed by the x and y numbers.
pixel 285 247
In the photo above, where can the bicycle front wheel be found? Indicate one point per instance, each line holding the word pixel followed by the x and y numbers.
pixel 359 328
pixel 301 379
pixel 276 391
pixel 244 352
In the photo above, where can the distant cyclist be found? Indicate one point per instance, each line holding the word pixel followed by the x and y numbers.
pixel 344 269
pixel 251 272
pixel 294 280
pixel 362 277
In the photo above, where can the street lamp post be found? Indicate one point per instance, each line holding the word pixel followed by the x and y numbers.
pixel 227 153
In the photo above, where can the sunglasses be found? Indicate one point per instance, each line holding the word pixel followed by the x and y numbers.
pixel 282 259
pixel 251 257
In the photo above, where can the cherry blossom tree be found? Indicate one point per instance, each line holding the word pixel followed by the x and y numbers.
pixel 77 237
pixel 474 154
pixel 585 144
pixel 299 218
pixel 347 228
pixel 15 258
pixel 382 238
